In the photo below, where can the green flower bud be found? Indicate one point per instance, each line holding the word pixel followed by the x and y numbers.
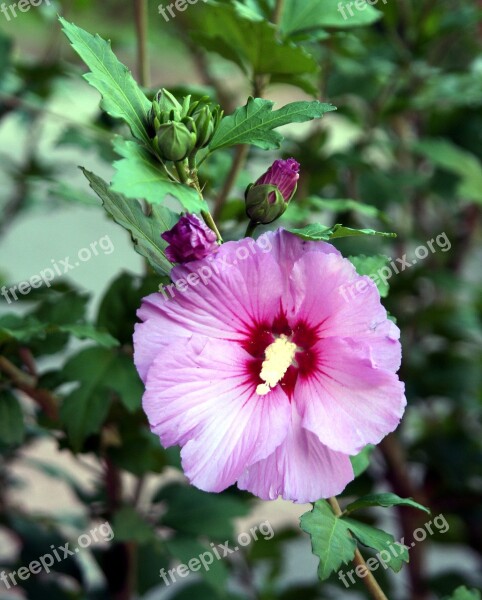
pixel 174 141
pixel 196 121
pixel 264 203
pixel 204 121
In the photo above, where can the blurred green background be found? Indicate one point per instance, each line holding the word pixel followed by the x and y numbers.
pixel 402 153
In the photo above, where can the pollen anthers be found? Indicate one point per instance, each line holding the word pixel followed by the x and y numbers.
pixel 278 357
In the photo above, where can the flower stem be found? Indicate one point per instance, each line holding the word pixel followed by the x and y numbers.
pixel 181 171
pixel 240 156
pixel 250 229
pixel 369 580
pixel 140 9
pixel 208 219
pixel 278 10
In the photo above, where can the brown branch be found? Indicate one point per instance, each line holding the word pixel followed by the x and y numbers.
pixel 398 475
pixel 27 383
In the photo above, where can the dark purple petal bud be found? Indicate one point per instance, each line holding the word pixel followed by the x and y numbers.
pixel 190 239
pixel 284 174
pixel 268 198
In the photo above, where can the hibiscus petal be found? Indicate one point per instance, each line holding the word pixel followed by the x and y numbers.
pixel 301 469
pixel 243 286
pixel 199 395
pixel 287 248
pixel 320 288
pixel 346 401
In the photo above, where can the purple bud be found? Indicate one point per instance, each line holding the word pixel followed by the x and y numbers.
pixel 190 239
pixel 284 174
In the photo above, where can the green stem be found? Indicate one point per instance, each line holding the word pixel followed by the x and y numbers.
pixel 141 16
pixel 369 580
pixel 181 171
pixel 240 156
pixel 208 219
pixel 278 10
pixel 250 229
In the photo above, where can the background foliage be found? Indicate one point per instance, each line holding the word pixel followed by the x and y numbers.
pixel 401 153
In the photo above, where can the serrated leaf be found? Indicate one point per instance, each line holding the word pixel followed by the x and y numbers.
pixel 371 265
pixel 385 500
pixel 361 461
pixel 140 175
pixel 310 15
pixel 12 428
pixel 145 230
pixel 121 96
pixel 317 232
pixel 372 537
pixel 254 123
pixel 330 539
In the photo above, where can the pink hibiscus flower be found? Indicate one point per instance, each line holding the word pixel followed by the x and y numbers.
pixel 268 375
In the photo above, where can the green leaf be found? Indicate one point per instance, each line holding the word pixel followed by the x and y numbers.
pixel 310 15
pixel 22 329
pixel 316 232
pixel 343 205
pixel 193 511
pixel 99 372
pixel 12 428
pixel 129 526
pixel 122 97
pixel 25 329
pixel 466 165
pixel 330 539
pixel 185 548
pixel 333 543
pixel 140 175
pixel 361 461
pixel 394 554
pixel 385 500
pixel 118 306
pixel 84 410
pixel 463 593
pixel 371 265
pixel 238 34
pixel 254 122
pixel 145 230
pixel 87 331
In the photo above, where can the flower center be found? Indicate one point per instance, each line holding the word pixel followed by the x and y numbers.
pixel 278 357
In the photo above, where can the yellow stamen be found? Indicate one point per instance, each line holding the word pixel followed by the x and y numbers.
pixel 278 357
